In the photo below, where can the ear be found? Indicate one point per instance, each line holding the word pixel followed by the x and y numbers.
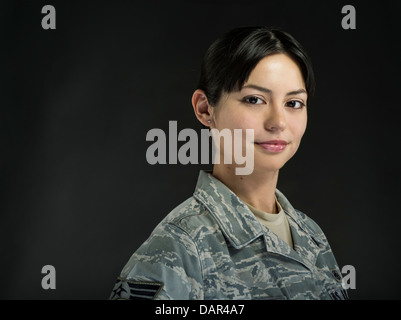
pixel 203 111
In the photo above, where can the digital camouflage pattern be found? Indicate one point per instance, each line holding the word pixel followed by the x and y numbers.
pixel 212 247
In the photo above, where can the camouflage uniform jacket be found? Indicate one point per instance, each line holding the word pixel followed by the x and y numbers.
pixel 212 247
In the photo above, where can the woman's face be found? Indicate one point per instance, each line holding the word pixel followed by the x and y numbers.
pixel 273 103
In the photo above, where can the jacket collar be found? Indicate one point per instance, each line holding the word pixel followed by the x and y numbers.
pixel 236 221
pixel 240 226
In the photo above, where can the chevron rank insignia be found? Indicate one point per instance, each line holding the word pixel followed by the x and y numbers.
pixel 125 289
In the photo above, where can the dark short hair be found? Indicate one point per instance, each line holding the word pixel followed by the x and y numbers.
pixel 230 59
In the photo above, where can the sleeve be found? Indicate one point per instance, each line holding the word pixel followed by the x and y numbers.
pixel 165 267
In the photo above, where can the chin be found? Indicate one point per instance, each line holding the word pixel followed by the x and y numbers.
pixel 267 167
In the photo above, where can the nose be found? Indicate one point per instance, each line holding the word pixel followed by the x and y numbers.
pixel 275 119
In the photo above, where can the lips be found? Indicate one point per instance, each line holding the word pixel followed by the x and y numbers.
pixel 273 145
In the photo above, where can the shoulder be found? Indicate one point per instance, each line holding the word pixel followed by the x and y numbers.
pixel 179 231
pixel 191 217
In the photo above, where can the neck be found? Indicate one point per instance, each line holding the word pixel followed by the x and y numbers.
pixel 257 189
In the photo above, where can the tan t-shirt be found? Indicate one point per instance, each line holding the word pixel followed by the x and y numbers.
pixel 275 222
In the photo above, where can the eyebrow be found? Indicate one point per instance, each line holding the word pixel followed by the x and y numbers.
pixel 268 91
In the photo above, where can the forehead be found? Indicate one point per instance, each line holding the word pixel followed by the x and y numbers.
pixel 275 71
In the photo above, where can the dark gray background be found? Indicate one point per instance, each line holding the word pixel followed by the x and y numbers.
pixel 77 102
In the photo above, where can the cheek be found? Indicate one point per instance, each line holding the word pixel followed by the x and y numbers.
pixel 298 125
pixel 298 128
pixel 235 120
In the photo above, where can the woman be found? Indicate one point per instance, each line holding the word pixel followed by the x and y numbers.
pixel 238 237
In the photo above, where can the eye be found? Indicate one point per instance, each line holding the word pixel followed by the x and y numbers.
pixel 253 100
pixel 295 104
